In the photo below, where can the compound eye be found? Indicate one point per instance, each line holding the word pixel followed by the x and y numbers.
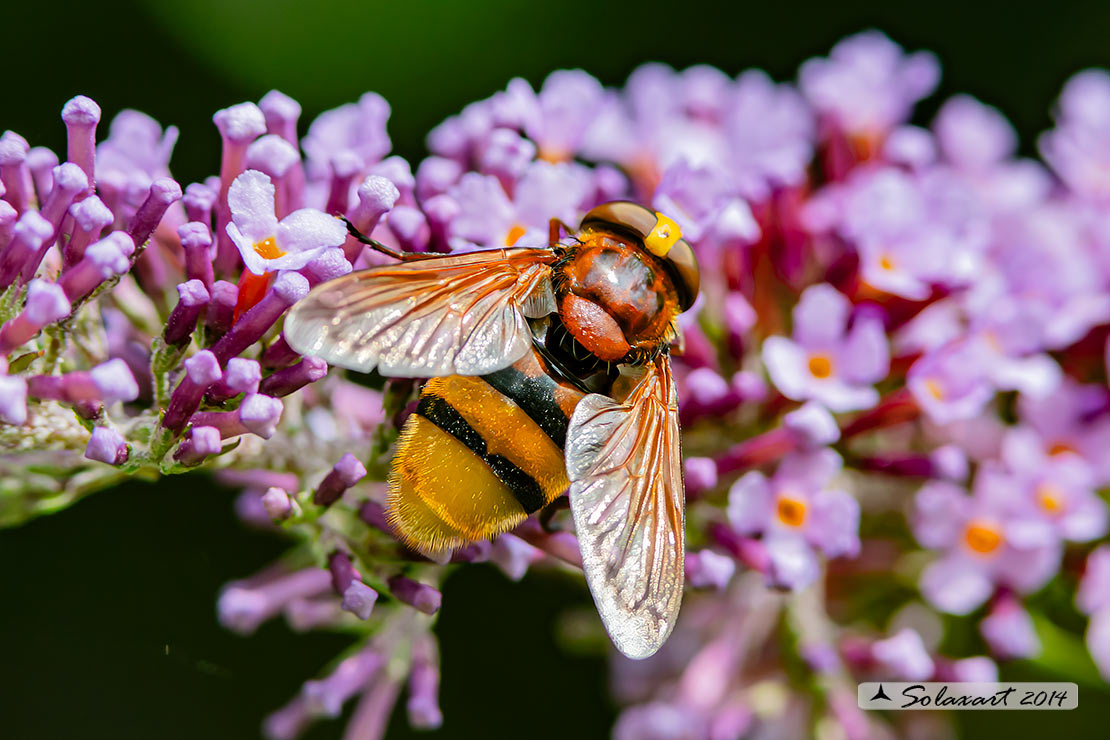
pixel 682 263
pixel 623 217
pixel 659 234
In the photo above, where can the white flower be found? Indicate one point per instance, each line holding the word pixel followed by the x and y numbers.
pixel 268 244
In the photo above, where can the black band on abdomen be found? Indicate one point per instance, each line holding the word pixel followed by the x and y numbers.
pixel 536 397
pixel 523 487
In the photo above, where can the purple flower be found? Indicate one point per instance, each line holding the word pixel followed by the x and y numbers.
pixel 423 704
pixel 867 85
pixel 1094 588
pixel 1008 630
pixel 1058 489
pixel 949 384
pixel 980 669
pixel 658 721
pixel 257 414
pixel 708 569
pixel 327 696
pixel 278 503
pixel 81 115
pixel 15 176
pixel 704 202
pixel 192 298
pixel 13 400
pixel 701 475
pixel 108 382
pixel 904 657
pixel 513 555
pixel 826 361
pixel 102 260
pixel 199 443
pixel 812 425
pixel 287 289
pixel 201 371
pixel 291 379
pixel 972 135
pixel 797 514
pixel 107 446
pixel 565 108
pixel 1058 288
pixel 243 606
pixel 1068 425
pixel 911 147
pixel 241 376
pixel 489 218
pixel 771 132
pixel 346 473
pixel 359 599
pixel 356 128
pixel 985 543
pixel 136 147
pixel 267 244
pixel 419 596
pixel 1098 641
pixel 45 304
pixel 1078 149
pixel 1094 599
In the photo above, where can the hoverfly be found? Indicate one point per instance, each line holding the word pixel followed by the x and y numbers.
pixel 549 369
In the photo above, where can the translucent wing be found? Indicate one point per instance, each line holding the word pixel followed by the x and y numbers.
pixel 459 315
pixel 626 496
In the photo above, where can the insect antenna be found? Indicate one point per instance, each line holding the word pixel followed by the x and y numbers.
pixel 379 247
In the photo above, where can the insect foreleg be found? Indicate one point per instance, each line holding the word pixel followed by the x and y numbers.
pixel 555 227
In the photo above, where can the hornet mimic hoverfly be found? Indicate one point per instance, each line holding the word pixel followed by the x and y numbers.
pixel 549 370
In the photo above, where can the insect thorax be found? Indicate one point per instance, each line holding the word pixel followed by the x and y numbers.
pixel 615 299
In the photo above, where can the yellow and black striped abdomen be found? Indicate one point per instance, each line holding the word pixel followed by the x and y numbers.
pixel 479 455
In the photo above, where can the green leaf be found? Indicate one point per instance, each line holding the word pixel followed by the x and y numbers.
pixel 21 363
pixel 1064 654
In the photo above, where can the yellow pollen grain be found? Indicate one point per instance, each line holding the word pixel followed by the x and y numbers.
pixel 820 366
pixel 982 538
pixel 935 389
pixel 791 511
pixel 886 262
pixel 1050 498
pixel 268 249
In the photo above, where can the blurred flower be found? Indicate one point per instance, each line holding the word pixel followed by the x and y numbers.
pixel 986 542
pixel 267 244
pixel 826 361
pixel 797 514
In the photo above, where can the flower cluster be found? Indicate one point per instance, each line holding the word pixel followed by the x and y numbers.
pixel 894 381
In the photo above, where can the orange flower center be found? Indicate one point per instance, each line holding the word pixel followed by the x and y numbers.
pixel 1050 498
pixel 268 249
pixel 820 366
pixel 1062 448
pixel 935 389
pixel 554 156
pixel 886 262
pixel 982 537
pixel 791 511
pixel 514 234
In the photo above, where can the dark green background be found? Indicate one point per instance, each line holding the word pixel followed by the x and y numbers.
pixel 91 598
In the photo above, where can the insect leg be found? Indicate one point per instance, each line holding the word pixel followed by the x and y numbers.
pixel 553 231
pixel 377 246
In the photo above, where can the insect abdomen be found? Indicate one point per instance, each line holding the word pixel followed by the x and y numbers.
pixel 479 455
